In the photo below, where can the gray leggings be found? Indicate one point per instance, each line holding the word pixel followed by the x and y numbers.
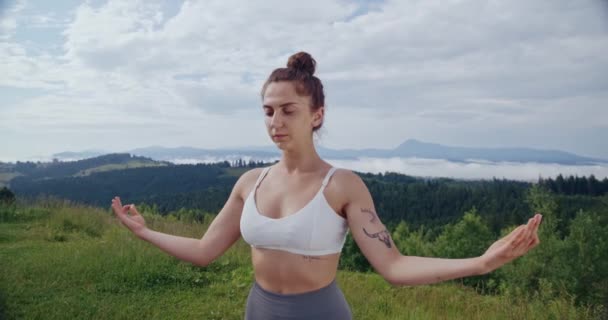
pixel 324 303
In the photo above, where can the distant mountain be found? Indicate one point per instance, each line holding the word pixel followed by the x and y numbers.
pixel 209 155
pixel 415 148
pixel 73 156
pixel 409 149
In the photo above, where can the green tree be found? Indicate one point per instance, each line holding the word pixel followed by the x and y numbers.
pixel 587 249
pixel 8 208
pixel 412 243
pixel 469 237
pixel 542 270
pixel 6 196
pixel 542 201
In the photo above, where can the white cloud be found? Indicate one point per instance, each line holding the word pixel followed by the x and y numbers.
pixel 472 170
pixel 8 21
pixel 465 73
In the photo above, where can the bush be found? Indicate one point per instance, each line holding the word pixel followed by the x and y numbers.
pixel 7 197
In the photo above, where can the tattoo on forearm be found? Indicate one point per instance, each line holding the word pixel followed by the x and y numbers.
pixel 371 213
pixel 310 258
pixel 383 236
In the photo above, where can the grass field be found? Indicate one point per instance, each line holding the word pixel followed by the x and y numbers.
pixel 62 261
pixel 5 177
pixel 110 167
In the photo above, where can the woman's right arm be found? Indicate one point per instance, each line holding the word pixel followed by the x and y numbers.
pixel 223 232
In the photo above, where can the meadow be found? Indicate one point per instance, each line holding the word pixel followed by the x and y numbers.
pixel 61 260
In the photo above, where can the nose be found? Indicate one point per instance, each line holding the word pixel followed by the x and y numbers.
pixel 276 121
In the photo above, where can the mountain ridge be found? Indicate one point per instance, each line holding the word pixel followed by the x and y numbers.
pixel 411 148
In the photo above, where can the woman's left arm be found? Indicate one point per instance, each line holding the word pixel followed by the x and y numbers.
pixel 376 244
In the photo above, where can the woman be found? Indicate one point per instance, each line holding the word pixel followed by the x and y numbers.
pixel 296 214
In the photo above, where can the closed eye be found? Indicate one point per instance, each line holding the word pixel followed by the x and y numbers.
pixel 269 114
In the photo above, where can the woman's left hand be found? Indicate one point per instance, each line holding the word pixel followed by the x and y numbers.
pixel 514 245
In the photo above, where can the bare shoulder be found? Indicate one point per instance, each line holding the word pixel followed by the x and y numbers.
pixel 348 182
pixel 251 174
pixel 247 180
pixel 346 186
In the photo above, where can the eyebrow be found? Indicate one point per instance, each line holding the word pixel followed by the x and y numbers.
pixel 281 106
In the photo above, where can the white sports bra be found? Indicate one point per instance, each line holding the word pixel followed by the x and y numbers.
pixel 316 229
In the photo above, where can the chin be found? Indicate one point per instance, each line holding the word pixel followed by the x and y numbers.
pixel 284 145
pixel 281 145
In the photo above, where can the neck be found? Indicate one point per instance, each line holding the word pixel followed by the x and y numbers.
pixel 301 160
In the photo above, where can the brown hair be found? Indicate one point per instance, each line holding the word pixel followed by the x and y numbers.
pixel 300 70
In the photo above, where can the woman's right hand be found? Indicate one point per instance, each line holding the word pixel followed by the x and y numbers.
pixel 135 222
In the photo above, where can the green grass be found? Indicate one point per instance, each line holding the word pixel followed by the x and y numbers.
pixel 118 166
pixel 5 177
pixel 67 261
pixel 234 172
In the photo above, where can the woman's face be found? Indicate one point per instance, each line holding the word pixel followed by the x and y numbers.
pixel 288 116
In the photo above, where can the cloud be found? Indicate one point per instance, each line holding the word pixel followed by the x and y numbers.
pixel 471 170
pixel 8 20
pixel 445 72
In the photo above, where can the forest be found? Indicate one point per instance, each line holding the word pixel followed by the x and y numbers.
pixel 426 217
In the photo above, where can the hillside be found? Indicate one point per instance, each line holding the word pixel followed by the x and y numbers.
pixel 61 261
pixel 62 169
pixel 398 197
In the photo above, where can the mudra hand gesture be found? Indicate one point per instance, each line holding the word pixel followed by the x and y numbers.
pixel 515 244
pixel 135 222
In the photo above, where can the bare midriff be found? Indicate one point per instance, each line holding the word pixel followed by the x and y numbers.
pixel 284 272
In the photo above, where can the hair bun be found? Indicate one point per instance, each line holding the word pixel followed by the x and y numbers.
pixel 302 61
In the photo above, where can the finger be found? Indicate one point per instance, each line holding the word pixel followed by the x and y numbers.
pixel 530 226
pixel 539 219
pixel 116 202
pixel 535 226
pixel 523 245
pixel 128 222
pixel 115 206
pixel 532 236
pixel 536 237
pixel 521 236
pixel 508 240
pixel 529 231
pixel 533 222
pixel 511 244
pixel 119 213
pixel 513 234
pixel 533 243
pixel 123 216
pixel 133 209
pixel 529 243
pixel 516 232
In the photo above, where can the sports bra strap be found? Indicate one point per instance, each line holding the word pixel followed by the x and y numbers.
pixel 329 174
pixel 325 181
pixel 262 175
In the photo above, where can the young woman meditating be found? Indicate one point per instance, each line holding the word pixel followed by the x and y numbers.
pixel 296 214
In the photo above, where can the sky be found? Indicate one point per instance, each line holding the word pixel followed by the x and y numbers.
pixel 118 75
